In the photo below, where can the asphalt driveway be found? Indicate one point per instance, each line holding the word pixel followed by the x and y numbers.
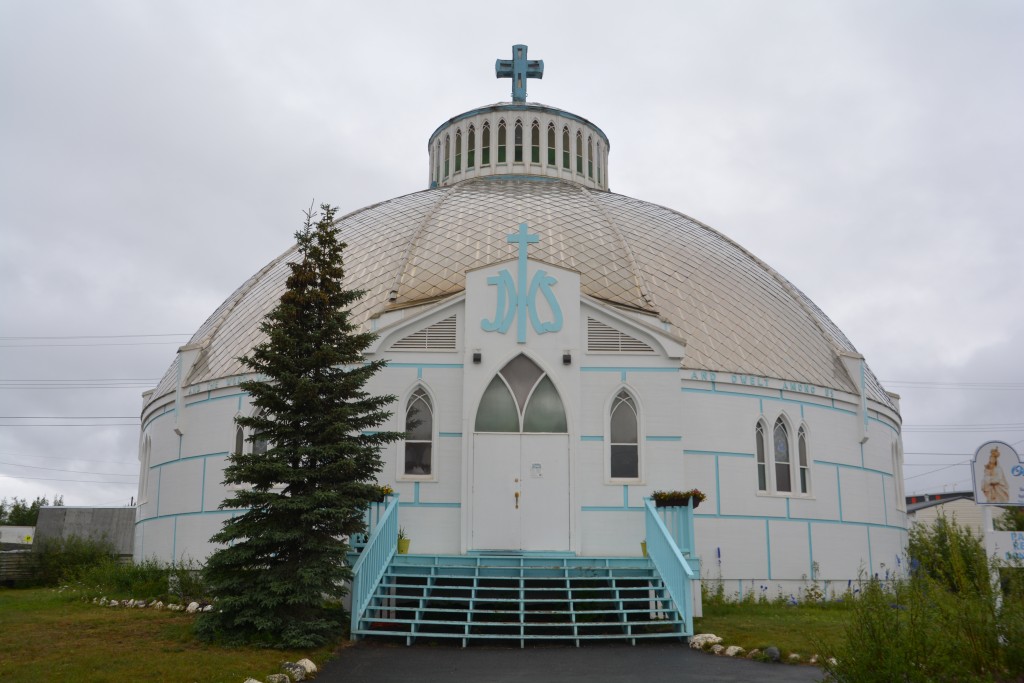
pixel 368 662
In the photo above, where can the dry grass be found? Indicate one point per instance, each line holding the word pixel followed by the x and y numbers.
pixel 48 636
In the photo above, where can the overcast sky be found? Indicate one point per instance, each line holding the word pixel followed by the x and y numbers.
pixel 155 155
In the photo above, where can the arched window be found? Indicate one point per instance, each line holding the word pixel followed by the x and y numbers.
pixel 144 456
pixel 551 144
pixel 259 443
pixel 803 463
pixel 624 442
pixel 762 461
pixel 518 142
pixel 599 163
pixel 501 141
pixel 471 147
pixel 447 154
pixel 239 439
pixel 579 152
pixel 780 443
pixel 566 153
pixel 419 435
pixel 485 153
pixel 437 161
pixel 535 143
pixel 590 157
pixel 458 150
pixel 521 398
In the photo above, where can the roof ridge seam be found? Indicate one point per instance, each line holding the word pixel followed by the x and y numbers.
pixel 240 294
pixel 641 284
pixel 446 192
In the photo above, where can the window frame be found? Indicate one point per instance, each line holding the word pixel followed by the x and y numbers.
pixel 502 142
pixel 764 444
pixel 400 473
pixel 485 144
pixel 470 146
pixel 611 404
pixel 458 150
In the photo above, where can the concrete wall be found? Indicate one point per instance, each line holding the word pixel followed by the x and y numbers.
pixel 113 524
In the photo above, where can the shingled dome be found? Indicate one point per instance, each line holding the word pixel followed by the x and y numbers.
pixel 734 313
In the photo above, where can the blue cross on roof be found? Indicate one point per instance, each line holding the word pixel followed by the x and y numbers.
pixel 519 69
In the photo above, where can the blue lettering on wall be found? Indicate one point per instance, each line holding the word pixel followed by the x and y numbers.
pixel 518 300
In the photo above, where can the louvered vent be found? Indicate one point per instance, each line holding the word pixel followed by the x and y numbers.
pixel 438 337
pixel 601 337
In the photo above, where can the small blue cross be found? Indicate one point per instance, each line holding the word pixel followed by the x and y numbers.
pixel 519 69
pixel 524 239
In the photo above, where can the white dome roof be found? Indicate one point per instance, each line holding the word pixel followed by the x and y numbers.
pixel 734 313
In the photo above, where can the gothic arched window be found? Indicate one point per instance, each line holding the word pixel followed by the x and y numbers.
pixel 447 154
pixel 566 152
pixel 624 441
pixel 551 144
pixel 470 147
pixel 762 460
pixel 579 152
pixel 485 153
pixel 419 434
pixel 521 398
pixel 501 141
pixel 780 444
pixel 803 463
pixel 458 150
pixel 535 143
pixel 518 142
pixel 590 157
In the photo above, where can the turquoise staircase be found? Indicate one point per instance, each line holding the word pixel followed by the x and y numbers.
pixel 489 597
pixel 521 598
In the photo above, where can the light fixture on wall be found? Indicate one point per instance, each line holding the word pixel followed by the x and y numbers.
pixel 476 355
pixel 393 295
pixel 566 357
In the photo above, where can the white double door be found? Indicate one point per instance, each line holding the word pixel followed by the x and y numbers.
pixel 520 492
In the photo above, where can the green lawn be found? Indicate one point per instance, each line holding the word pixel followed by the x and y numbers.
pixel 48 636
pixel 800 628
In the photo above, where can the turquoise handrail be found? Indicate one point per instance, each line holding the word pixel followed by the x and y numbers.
pixel 675 571
pixel 374 560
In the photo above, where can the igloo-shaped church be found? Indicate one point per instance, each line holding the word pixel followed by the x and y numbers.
pixel 563 352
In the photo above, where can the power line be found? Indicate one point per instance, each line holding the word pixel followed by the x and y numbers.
pixel 99 336
pixel 58 457
pixel 102 343
pixel 58 469
pixel 79 481
pixel 67 417
pixel 98 424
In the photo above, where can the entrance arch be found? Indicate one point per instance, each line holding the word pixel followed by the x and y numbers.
pixel 520 463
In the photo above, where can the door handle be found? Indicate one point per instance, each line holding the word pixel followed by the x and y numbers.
pixel 517 500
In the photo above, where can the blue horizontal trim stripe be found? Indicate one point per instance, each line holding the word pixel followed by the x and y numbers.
pixel 883 423
pixel 153 418
pixel 450 435
pixel 814 520
pixel 621 369
pixel 189 457
pixel 719 392
pixel 213 398
pixel 591 438
pixel 449 366
pixel 663 438
pixel 429 505
pixel 853 467
pixel 725 453
pixel 610 508
pixel 174 515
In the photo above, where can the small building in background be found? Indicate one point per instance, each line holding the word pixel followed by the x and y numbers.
pixel 954 505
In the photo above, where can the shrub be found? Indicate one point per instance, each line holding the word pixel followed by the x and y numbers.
pixel 64 559
pixel 947 621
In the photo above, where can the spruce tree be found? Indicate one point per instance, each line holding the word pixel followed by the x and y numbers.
pixel 299 501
